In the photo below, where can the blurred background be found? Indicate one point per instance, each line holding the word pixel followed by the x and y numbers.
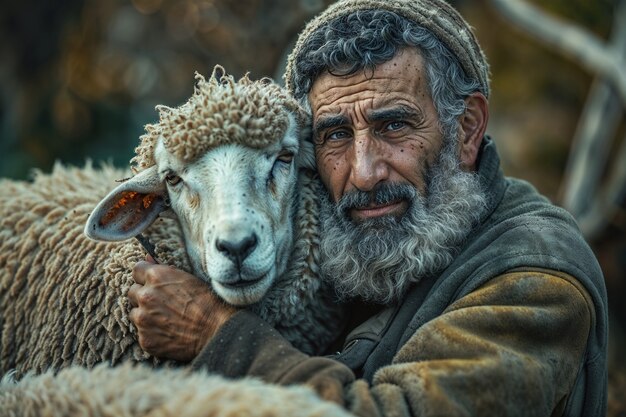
pixel 80 78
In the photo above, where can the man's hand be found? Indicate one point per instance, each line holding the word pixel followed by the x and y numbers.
pixel 175 313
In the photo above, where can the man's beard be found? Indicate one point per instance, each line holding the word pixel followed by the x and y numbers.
pixel 377 259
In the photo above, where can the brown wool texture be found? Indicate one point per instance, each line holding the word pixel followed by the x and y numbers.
pixel 220 111
pixel 435 15
pixel 139 391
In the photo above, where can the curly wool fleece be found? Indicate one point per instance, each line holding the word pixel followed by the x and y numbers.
pixel 63 296
pixel 221 111
pixel 140 391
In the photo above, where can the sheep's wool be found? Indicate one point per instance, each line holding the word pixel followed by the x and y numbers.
pixel 139 391
pixel 63 296
pixel 220 111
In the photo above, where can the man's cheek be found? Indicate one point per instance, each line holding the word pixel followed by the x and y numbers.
pixel 331 177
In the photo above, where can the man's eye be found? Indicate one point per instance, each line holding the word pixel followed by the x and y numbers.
pixel 338 135
pixel 396 125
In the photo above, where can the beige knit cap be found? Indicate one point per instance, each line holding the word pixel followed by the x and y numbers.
pixel 435 15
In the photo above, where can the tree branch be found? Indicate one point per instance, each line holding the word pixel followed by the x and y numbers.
pixel 577 43
pixel 597 128
pixel 608 202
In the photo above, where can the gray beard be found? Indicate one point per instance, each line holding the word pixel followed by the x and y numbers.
pixel 378 259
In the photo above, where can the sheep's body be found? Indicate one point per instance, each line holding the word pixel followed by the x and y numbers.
pixel 63 296
pixel 138 391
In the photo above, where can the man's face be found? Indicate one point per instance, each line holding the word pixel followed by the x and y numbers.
pixel 399 204
pixel 372 128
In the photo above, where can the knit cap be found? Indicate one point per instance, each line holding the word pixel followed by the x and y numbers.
pixel 435 15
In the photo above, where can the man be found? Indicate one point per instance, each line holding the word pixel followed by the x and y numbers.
pixel 471 294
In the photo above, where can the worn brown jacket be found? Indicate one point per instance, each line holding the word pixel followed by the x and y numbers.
pixel 515 326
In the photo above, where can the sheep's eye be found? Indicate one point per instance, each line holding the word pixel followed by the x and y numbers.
pixel 285 157
pixel 173 179
pixel 281 165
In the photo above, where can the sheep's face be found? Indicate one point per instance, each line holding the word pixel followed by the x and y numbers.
pixel 235 205
pixel 226 163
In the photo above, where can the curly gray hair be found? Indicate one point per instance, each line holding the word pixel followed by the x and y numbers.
pixel 364 39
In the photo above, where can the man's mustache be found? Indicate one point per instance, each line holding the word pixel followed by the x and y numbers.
pixel 383 193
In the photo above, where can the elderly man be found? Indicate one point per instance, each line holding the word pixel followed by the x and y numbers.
pixel 471 294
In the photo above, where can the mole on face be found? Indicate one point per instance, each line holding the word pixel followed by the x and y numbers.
pixel 396 85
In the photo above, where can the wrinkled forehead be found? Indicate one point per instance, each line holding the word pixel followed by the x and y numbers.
pixel 401 78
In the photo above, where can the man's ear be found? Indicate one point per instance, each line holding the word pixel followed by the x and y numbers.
pixel 129 209
pixel 473 124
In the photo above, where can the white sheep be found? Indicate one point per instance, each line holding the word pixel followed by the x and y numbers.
pixel 232 169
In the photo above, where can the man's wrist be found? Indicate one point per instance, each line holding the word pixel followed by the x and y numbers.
pixel 214 320
pixel 246 345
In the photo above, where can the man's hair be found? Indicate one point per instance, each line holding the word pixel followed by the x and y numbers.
pixel 364 39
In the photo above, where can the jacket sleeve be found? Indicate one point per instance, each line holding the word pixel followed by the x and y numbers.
pixel 512 347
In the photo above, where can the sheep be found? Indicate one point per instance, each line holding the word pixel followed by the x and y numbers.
pixel 230 165
pixel 128 390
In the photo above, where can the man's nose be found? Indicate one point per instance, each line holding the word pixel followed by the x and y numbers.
pixel 367 163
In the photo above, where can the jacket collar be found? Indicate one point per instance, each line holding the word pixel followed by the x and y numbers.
pixel 490 175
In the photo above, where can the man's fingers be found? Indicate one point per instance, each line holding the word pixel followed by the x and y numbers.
pixel 140 318
pixel 132 315
pixel 140 271
pixel 133 295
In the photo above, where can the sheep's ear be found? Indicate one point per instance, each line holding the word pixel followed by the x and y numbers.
pixel 129 209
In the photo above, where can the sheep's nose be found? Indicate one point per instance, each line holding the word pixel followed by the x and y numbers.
pixel 237 250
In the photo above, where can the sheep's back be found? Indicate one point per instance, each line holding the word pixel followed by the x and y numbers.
pixel 129 390
pixel 62 295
